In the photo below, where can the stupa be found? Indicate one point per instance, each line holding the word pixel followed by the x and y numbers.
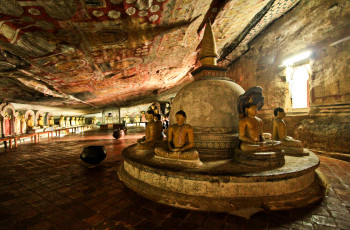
pixel 210 102
pixel 220 183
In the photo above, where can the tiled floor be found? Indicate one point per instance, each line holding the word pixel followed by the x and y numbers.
pixel 47 186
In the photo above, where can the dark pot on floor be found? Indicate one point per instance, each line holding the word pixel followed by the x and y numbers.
pixel 93 154
pixel 118 133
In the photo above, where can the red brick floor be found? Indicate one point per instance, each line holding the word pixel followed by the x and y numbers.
pixel 47 186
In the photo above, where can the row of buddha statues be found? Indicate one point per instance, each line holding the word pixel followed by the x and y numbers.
pixel 15 125
pixel 65 122
pixel 252 140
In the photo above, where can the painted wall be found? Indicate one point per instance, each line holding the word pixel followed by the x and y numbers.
pixel 312 25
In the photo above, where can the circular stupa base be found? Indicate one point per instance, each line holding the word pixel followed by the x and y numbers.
pixel 258 159
pixel 224 185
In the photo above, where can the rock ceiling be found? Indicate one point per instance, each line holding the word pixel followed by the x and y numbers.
pixel 96 53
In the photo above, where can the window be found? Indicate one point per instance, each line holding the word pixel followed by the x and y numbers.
pixel 298 79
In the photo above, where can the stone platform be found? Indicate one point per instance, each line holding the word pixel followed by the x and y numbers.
pixel 224 185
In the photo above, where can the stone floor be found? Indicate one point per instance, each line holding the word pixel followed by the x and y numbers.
pixel 47 186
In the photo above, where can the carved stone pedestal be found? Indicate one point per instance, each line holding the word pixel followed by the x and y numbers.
pixel 224 185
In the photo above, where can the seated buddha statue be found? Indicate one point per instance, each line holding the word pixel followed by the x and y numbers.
pixel 30 123
pixel 253 148
pixel 159 125
pixel 180 141
pixel 289 145
pixel 51 121
pixel 41 121
pixel 251 132
pixel 153 135
pixel 83 121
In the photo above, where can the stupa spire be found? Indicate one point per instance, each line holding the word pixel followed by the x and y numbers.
pixel 208 54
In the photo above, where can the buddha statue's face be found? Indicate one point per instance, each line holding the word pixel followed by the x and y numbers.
pixel 153 106
pixel 281 114
pixel 150 117
pixel 180 119
pixel 252 110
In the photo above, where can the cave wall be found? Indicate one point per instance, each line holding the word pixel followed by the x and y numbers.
pixel 311 25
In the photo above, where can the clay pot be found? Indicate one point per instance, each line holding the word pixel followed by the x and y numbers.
pixel 117 133
pixel 93 154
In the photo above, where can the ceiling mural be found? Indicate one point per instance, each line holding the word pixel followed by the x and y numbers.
pixel 95 53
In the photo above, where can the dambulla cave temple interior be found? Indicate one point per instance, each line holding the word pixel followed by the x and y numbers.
pixel 174 114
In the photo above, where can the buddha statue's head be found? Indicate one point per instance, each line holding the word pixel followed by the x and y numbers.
pixel 157 117
pixel 251 109
pixel 167 104
pixel 150 115
pixel 279 113
pixel 180 117
pixel 153 107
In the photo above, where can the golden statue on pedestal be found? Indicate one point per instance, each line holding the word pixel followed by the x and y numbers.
pixel 253 148
pixel 279 133
pixel 153 135
pixel 41 121
pixel 30 122
pixel 180 141
pixel 51 121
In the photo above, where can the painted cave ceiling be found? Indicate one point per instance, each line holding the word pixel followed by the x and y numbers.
pixel 96 53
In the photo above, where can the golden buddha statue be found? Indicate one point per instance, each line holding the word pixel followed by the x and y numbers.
pixel 30 122
pixel 23 124
pixel 153 135
pixel 159 126
pixel 51 121
pixel 62 122
pixel 41 121
pixel 94 121
pixel 84 121
pixel 279 133
pixel 180 141
pixel 137 120
pixel 126 119
pixel 253 148
pixel 251 132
